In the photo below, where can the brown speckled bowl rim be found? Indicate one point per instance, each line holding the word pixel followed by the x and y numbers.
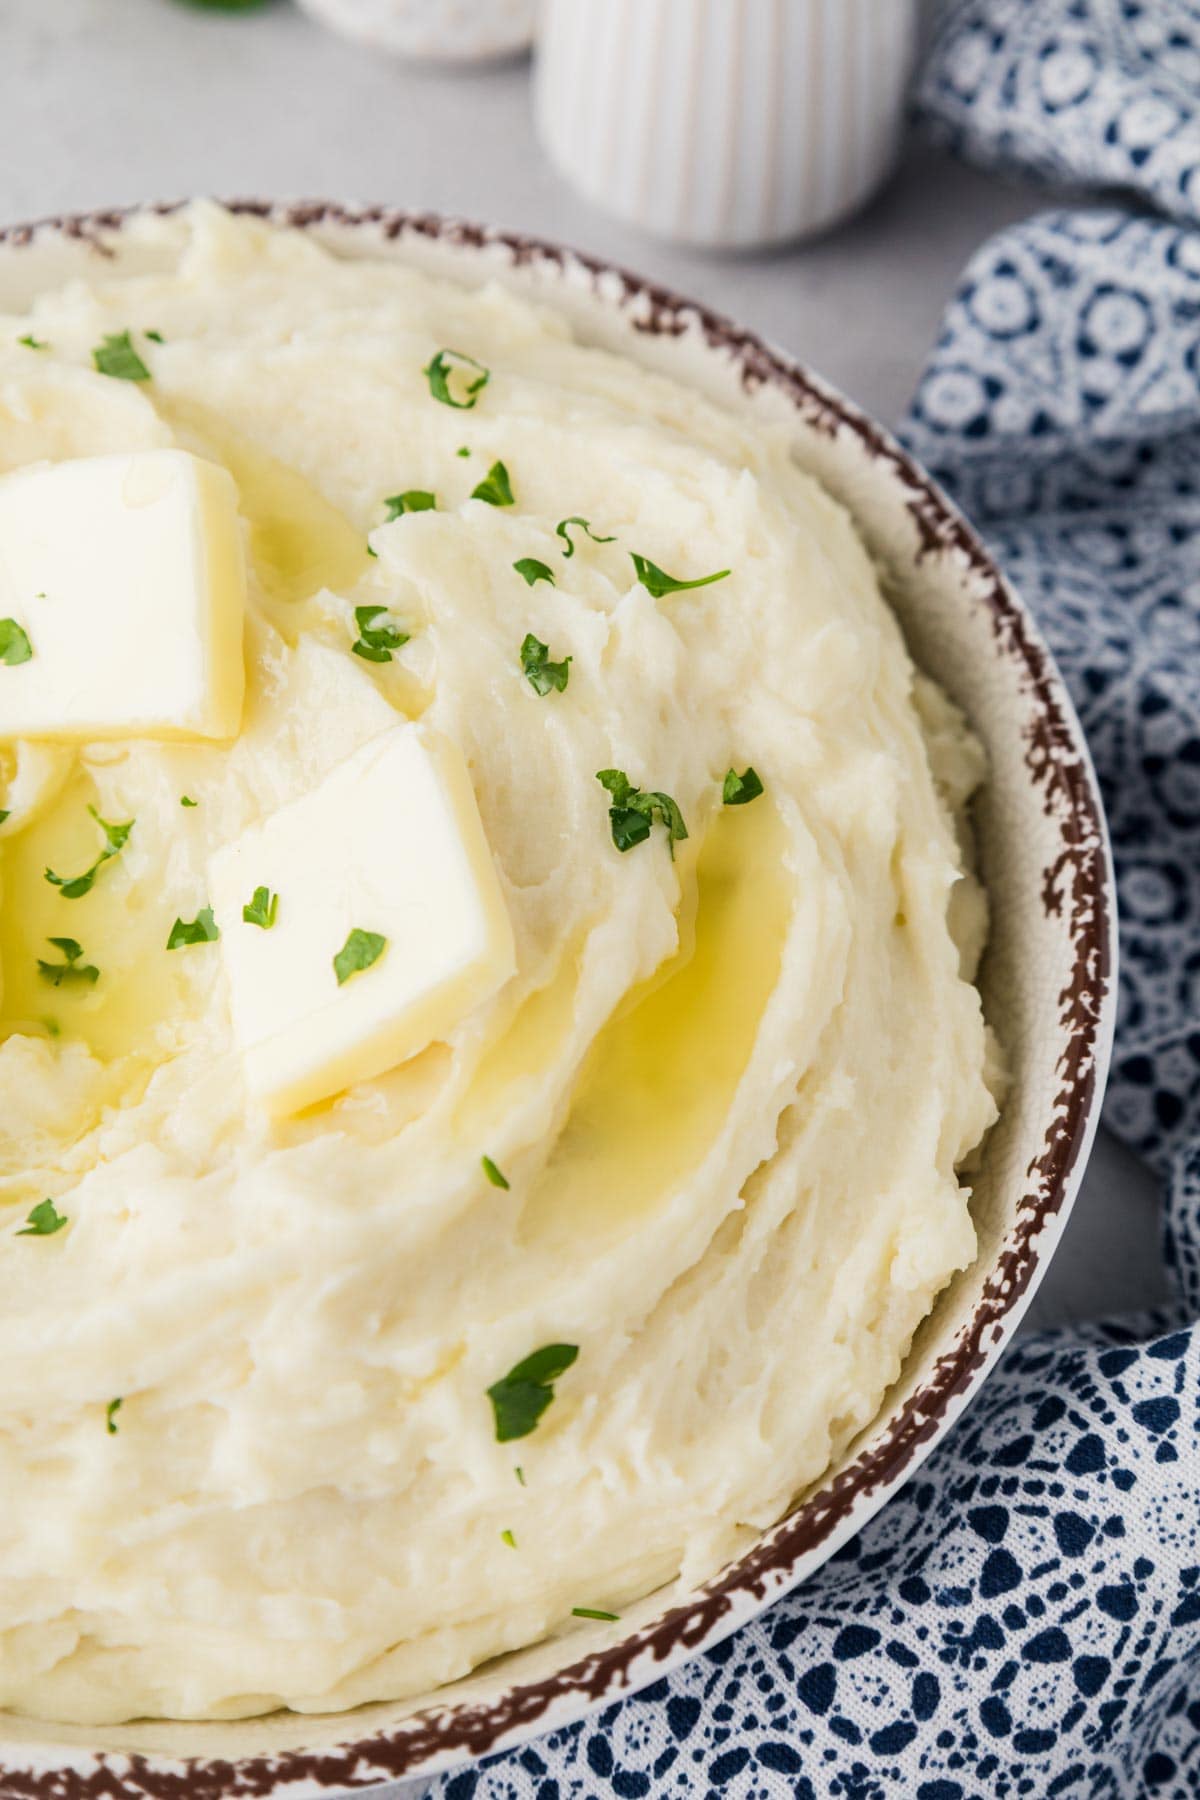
pixel 1078 887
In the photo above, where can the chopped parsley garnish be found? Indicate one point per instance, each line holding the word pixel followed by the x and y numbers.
pixel 186 800
pixel 495 487
pixel 110 1417
pixel 156 337
pixel 521 1397
pixel 463 450
pixel 494 1175
pixel 43 1221
pixel 115 838
pixel 33 343
pixel 202 930
pixel 454 363
pixel 633 812
pixel 542 674
pixel 520 1474
pixel 360 950
pixel 72 967
pixel 594 1612
pixel 563 530
pixel 117 356
pixel 657 582
pixel 412 500
pixel 739 790
pixel 533 570
pixel 15 646
pixel 4 816
pixel 376 642
pixel 506 1537
pixel 262 909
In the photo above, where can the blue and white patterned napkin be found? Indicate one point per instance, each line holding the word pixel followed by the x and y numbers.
pixel 1023 1619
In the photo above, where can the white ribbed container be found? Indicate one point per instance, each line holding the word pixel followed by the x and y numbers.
pixel 439 30
pixel 728 123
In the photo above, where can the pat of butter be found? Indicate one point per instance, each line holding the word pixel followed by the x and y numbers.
pixel 390 843
pixel 126 575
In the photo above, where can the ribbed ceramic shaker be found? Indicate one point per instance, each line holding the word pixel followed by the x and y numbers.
pixel 728 123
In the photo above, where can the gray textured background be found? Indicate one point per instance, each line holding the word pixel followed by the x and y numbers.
pixel 108 101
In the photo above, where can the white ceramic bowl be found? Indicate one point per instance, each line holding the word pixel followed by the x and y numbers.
pixel 1049 988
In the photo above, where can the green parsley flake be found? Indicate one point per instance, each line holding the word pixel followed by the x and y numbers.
pixel 495 487
pixel 533 570
pixel 186 800
pixel 563 530
pixel 494 1175
pixel 411 501
pixel 520 1474
pixel 506 1537
pixel 15 646
pixel 594 1612
pixel 4 816
pixel 739 790
pixel 43 1221
pixel 521 1397
pixel 116 837
pixel 117 356
pixel 463 450
pixel 447 363
pixel 376 642
pixel 33 343
pixel 542 674
pixel 360 950
pixel 202 930
pixel 110 1416
pixel 72 968
pixel 156 337
pixel 633 812
pixel 262 909
pixel 657 582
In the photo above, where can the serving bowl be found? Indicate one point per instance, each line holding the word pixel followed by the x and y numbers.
pixel 1048 981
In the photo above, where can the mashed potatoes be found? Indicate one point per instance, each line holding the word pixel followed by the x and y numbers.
pixel 728 1089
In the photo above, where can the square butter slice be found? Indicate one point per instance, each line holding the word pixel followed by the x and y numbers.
pixel 125 574
pixel 391 844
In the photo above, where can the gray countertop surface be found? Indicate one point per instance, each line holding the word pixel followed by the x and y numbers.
pixel 110 101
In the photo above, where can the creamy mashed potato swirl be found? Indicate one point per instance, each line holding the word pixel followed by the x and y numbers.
pixel 729 1091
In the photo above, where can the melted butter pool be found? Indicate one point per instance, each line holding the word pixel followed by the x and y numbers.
pixel 661 1076
pixel 140 995
pixel 517 1061
pixel 298 541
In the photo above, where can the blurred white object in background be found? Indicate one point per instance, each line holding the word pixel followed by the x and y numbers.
pixel 727 123
pixel 442 30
